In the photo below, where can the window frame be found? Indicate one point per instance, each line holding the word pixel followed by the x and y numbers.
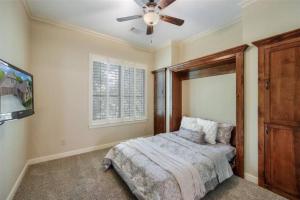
pixel 121 121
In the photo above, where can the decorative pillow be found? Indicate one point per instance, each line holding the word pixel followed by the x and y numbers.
pixel 224 133
pixel 210 129
pixel 190 123
pixel 193 136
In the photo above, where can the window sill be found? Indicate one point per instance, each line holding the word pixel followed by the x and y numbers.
pixel 111 124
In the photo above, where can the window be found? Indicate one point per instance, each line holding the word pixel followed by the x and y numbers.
pixel 117 92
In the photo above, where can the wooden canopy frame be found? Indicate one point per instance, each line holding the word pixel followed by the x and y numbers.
pixel 225 62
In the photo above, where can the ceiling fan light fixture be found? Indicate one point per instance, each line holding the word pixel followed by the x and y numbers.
pixel 151 14
pixel 151 18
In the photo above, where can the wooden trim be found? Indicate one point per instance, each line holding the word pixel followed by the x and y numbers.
pixel 160 82
pixel 228 61
pixel 223 57
pixel 213 71
pixel 278 38
pixel 240 114
pixel 159 70
pixel 176 111
pixel 261 114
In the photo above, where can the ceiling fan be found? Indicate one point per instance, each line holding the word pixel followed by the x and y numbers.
pixel 151 14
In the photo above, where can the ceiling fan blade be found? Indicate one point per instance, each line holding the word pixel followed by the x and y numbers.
pixel 149 30
pixel 122 19
pixel 172 20
pixel 145 2
pixel 165 3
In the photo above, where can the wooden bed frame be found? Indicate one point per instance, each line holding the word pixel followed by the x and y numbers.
pixel 225 62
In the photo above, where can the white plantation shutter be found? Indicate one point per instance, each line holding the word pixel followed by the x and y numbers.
pixel 139 93
pixel 114 91
pixel 118 92
pixel 128 93
pixel 99 91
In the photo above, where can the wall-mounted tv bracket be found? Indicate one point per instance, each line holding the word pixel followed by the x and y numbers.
pixel 5 117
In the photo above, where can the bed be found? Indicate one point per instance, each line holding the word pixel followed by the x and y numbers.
pixel 152 177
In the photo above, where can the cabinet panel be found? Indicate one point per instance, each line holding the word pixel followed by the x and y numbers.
pixel 284 80
pixel 282 158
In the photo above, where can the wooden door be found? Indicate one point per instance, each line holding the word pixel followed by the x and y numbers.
pixel 279 118
pixel 159 101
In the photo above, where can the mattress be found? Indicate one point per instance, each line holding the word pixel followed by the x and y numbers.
pixel 148 181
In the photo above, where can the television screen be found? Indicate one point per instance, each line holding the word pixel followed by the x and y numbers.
pixel 16 92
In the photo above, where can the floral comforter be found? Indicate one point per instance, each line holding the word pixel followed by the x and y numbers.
pixel 148 180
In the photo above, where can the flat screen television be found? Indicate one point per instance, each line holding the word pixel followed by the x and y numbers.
pixel 16 92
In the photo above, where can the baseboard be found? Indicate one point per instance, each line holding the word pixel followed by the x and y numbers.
pixel 74 152
pixel 251 178
pixel 71 153
pixel 17 183
pixel 54 157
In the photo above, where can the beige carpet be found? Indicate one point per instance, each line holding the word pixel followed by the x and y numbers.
pixel 82 177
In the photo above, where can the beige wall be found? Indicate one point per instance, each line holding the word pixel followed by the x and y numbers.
pixel 200 95
pixel 60 63
pixel 14 48
pixel 167 55
pixel 211 43
pixel 163 57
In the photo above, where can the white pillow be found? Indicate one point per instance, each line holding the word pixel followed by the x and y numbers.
pixel 190 123
pixel 210 129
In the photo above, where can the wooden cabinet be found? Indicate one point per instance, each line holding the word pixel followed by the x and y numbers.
pixel 282 149
pixel 279 113
pixel 159 101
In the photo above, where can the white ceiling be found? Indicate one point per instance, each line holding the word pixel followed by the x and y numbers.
pixel 100 15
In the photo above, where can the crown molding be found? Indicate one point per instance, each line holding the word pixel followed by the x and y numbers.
pixel 245 3
pixel 26 8
pixel 210 31
pixel 85 30
pixel 168 44
pixel 164 45
pixel 123 42
pixel 93 33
